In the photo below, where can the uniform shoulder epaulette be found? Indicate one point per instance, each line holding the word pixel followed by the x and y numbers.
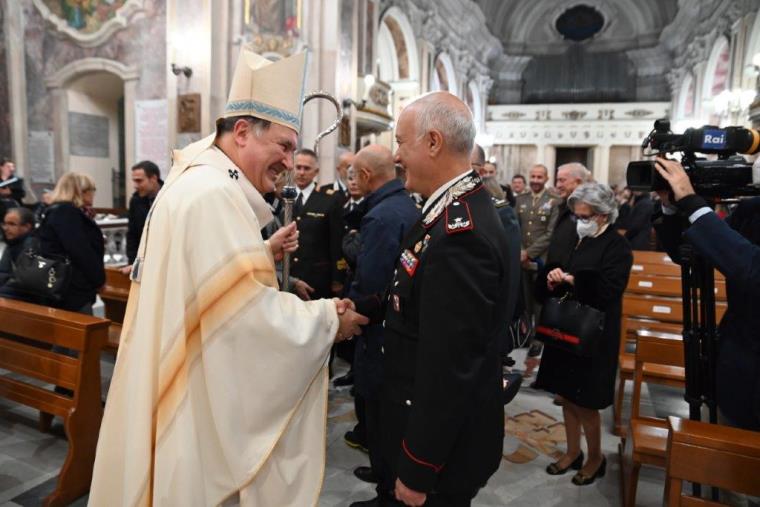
pixel 458 218
pixel 500 203
pixel 330 191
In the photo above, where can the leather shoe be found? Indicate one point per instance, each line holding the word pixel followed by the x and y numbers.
pixel 353 441
pixel 554 469
pixel 365 474
pixel 581 479
pixel 345 380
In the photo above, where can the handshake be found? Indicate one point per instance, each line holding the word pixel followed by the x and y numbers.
pixel 349 321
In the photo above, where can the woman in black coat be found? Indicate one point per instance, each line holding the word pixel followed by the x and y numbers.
pixel 596 274
pixel 68 230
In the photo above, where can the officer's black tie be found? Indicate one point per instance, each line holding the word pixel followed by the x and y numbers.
pixel 299 205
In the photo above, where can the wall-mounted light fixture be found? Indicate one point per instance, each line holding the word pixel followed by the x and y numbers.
pixel 177 70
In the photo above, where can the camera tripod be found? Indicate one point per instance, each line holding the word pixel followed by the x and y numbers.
pixel 700 338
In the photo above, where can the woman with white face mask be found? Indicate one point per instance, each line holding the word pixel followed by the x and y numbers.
pixel 596 275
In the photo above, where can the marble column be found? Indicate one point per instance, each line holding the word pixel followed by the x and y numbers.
pixel 16 73
pixel 602 163
pixel 323 41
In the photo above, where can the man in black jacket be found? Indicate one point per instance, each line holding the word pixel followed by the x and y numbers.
pixel 339 187
pixel 146 178
pixel 732 247
pixel 638 225
pixel 319 259
pixel 18 225
pixel 442 412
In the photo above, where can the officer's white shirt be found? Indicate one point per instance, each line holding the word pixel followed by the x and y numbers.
pixel 306 192
pixel 440 190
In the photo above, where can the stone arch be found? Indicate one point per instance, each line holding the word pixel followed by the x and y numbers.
pixel 473 99
pixel 716 72
pixel 686 95
pixel 407 65
pixel 753 47
pixel 444 76
pixel 58 83
pixel 77 68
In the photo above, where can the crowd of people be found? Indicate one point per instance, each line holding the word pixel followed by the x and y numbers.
pixel 568 237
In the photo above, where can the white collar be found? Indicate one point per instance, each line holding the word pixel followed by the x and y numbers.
pixel 338 185
pixel 306 192
pixel 439 192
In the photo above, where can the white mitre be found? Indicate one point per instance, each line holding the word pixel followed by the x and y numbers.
pixel 269 90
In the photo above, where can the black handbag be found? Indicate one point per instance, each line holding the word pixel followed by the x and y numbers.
pixel 571 326
pixel 44 276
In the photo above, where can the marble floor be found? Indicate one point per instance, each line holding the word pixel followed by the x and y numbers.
pixel 29 460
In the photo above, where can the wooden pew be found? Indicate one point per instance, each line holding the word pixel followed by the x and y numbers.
pixel 711 455
pixel 646 442
pixel 21 322
pixel 114 294
pixel 651 257
pixel 652 302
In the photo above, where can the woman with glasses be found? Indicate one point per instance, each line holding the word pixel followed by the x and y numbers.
pixel 68 230
pixel 596 275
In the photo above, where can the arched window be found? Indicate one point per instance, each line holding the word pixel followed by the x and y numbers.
pixel 397 48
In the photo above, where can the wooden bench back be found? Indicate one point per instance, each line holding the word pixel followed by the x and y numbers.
pixel 115 294
pixel 666 286
pixel 28 332
pixel 662 349
pixel 651 257
pixel 712 455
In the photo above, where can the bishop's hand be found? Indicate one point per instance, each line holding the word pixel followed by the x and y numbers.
pixel 284 240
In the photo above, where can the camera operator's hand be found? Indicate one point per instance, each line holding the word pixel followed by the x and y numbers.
pixel 676 177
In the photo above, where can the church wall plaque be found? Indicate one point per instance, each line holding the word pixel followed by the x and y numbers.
pixel 189 113
pixel 88 135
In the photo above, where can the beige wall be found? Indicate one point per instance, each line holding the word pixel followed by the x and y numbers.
pixel 513 159
pixel 619 158
pixel 98 94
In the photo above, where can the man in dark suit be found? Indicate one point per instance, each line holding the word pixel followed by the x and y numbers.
pixel 146 178
pixel 319 260
pixel 638 225
pixel 339 187
pixel 442 412
pixel 390 214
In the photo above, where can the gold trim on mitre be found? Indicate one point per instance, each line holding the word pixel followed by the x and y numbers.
pixel 269 90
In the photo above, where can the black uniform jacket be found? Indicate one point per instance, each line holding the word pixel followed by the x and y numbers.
pixel 319 260
pixel 340 193
pixel 443 418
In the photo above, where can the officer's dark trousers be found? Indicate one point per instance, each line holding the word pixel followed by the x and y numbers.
pixel 372 418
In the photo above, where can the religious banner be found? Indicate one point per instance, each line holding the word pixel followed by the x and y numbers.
pixel 152 133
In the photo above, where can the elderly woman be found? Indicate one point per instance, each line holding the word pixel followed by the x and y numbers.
pixel 596 274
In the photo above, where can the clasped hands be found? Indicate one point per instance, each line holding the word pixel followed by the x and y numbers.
pixel 349 321
pixel 557 276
